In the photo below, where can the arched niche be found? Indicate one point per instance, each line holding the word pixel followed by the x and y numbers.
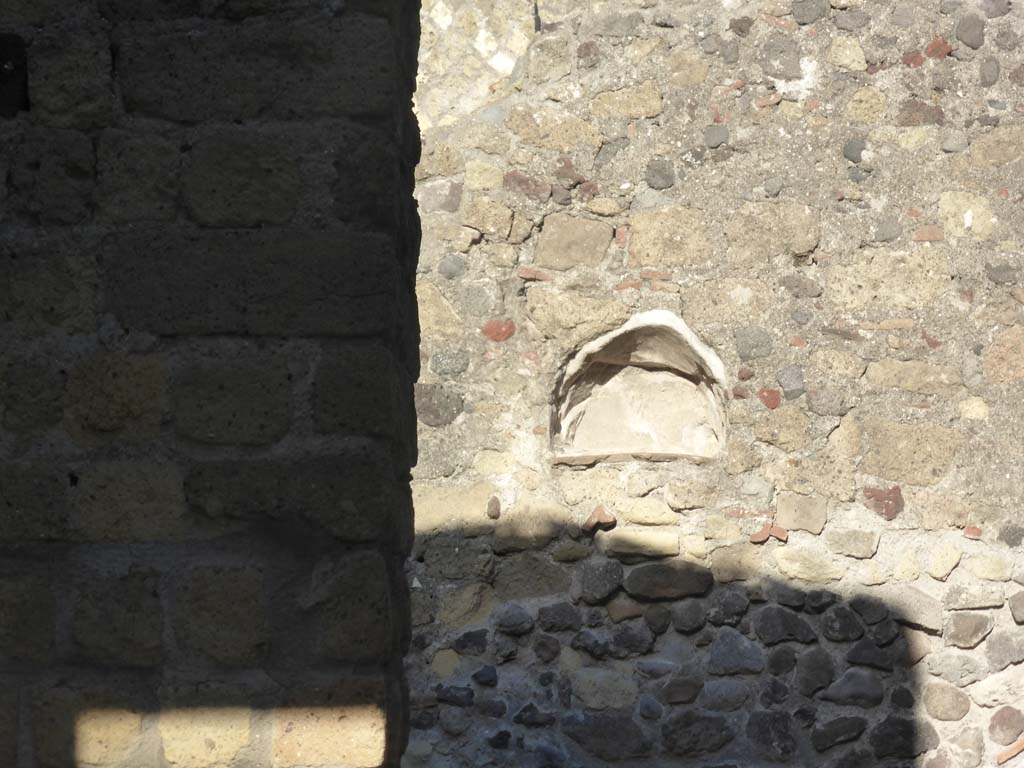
pixel 650 389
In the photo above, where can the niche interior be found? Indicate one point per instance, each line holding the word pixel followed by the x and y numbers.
pixel 650 389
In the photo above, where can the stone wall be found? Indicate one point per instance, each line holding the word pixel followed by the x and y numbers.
pixel 207 347
pixel 827 193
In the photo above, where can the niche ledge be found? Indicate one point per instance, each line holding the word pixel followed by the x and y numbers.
pixel 649 390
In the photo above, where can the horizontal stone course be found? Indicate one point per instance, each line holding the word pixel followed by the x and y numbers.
pixel 260 69
pixel 261 283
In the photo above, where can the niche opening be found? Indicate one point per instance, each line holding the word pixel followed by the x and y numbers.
pixel 648 390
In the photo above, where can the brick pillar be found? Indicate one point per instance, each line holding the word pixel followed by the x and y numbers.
pixel 207 346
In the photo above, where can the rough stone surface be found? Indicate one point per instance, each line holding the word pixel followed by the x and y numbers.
pixel 822 191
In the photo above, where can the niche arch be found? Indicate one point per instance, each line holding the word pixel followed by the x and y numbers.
pixel 650 389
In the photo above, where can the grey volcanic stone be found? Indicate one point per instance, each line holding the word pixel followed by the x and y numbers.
pixel 660 173
pixel 715 136
pixel 773 624
pixel 902 737
pixel 969 597
pixel 1017 607
pixel 632 638
pixel 1003 648
pixel 839 731
pixel 809 11
pixel 437 404
pixel 649 708
pixel 866 654
pixel 727 607
pixel 814 671
pixel 725 695
pixel 688 616
pixel 560 617
pixel 513 619
pixel 681 689
pixel 733 654
pixel 780 57
pixel 970 31
pixel 995 8
pixel 791 379
pixel 658 618
pixel 965 629
pixel 781 660
pixel 771 734
pixel 599 579
pixel 548 647
pixel 689 734
pixel 909 605
pixel 944 702
pixel 840 624
pixel 957 667
pixel 533 717
pixel 853 150
pixel 1006 725
pixel 667 581
pixel 607 735
pixel 988 71
pixel 856 687
pixel 752 343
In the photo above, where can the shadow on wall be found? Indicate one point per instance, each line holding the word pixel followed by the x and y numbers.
pixel 557 655
pixel 267 644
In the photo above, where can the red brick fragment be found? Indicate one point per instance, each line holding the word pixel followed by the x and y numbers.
pixel 929 233
pixel 600 520
pixel 772 398
pixel 655 274
pixel 740 393
pixel 972 532
pixel 938 49
pixel 913 59
pixel 627 285
pixel 745 373
pixel 621 236
pixel 532 273
pixel 1010 752
pixel 666 287
pixel 498 330
pixel 931 341
pixel 779 533
pixel 761 536
pixel 798 341
pixel 888 502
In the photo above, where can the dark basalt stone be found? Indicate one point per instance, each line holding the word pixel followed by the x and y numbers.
pixel 902 737
pixel 866 654
pixel 547 648
pixel 857 687
pixel 486 676
pixel 733 654
pixel 591 644
pixel 727 607
pixel 560 617
pixel 532 717
pixel 781 660
pixel 690 734
pixel 773 625
pixel 471 643
pixel 456 695
pixel 607 735
pixel 840 624
pixel 667 581
pixel 632 638
pixel 771 734
pixel 688 616
pixel 842 730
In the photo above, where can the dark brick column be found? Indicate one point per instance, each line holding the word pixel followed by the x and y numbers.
pixel 207 346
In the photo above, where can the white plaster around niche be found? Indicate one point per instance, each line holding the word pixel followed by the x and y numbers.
pixel 650 389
